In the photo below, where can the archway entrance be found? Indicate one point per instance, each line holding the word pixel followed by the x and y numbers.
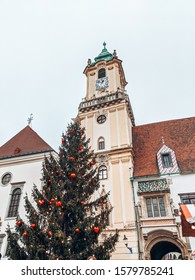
pixel 162 244
pixel 160 249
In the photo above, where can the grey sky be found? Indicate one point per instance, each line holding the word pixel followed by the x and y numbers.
pixel 45 44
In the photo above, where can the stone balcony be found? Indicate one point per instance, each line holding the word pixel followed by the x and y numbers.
pixel 106 100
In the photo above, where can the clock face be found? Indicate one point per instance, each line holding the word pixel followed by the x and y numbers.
pixel 102 83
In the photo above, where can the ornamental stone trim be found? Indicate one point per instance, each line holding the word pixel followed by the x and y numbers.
pixel 153 186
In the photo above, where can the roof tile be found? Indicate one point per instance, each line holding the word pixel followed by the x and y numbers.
pixel 27 141
pixel 179 135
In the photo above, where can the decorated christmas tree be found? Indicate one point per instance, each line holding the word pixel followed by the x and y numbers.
pixel 67 217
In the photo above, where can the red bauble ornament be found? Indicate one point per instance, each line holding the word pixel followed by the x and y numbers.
pixel 73 175
pixel 71 158
pixel 19 223
pixel 41 201
pixel 33 226
pixel 77 230
pixel 92 163
pixel 58 203
pixel 49 181
pixel 57 172
pixel 82 202
pixel 100 201
pixel 49 233
pixel 52 201
pixel 63 141
pixel 80 148
pixel 68 133
pixel 24 234
pixel 73 130
pixel 96 229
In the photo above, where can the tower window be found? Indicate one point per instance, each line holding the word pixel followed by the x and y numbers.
pixel 102 172
pixel 101 73
pixel 101 119
pixel 166 160
pixel 101 143
pixel 14 203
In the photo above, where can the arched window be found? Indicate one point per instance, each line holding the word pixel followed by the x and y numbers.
pixel 102 172
pixel 101 143
pixel 14 203
pixel 101 73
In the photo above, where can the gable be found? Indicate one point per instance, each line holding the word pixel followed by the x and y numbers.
pixel 26 142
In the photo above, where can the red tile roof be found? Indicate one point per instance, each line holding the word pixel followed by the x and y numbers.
pixel 179 135
pixel 26 142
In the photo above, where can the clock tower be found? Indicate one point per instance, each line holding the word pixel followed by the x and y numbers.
pixel 107 115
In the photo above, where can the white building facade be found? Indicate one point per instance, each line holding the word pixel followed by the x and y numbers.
pixel 21 160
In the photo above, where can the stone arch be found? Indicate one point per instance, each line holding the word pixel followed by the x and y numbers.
pixel 162 238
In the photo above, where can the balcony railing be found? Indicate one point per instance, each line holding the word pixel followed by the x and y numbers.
pixel 119 95
pixel 107 99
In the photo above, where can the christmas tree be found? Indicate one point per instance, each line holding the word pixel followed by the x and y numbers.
pixel 67 216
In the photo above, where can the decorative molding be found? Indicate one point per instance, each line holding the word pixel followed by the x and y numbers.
pixel 153 186
pixel 102 158
pixel 101 112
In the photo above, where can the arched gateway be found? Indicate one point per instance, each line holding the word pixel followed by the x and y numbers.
pixel 161 242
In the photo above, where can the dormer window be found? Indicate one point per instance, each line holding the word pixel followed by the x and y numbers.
pixel 166 160
pixel 102 73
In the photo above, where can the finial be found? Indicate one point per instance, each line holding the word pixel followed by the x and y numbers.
pixel 114 54
pixel 89 62
pixel 163 140
pixel 104 44
pixel 30 119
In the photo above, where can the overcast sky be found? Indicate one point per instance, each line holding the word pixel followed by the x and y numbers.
pixel 45 44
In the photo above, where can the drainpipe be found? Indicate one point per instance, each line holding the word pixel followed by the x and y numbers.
pixel 135 214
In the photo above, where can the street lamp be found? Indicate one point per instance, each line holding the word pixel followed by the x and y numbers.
pixel 125 240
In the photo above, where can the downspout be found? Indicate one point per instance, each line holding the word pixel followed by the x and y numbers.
pixel 135 214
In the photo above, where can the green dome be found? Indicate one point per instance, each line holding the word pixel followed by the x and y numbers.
pixel 104 55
